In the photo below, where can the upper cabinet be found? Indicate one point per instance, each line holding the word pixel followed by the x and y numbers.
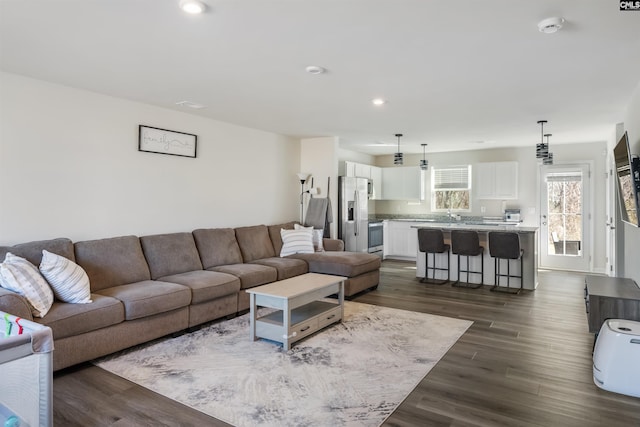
pixel 373 173
pixel 496 180
pixel 376 181
pixel 393 183
pixel 363 171
pixel 350 169
pixel 358 170
pixel 402 183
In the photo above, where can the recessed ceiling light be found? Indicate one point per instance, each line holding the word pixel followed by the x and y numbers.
pixel 550 25
pixel 193 7
pixel 378 101
pixel 314 69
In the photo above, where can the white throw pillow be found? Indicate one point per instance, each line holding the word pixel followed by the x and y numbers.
pixel 68 280
pixel 20 276
pixel 318 235
pixel 296 242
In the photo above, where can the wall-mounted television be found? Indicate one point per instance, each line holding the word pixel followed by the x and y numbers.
pixel 628 172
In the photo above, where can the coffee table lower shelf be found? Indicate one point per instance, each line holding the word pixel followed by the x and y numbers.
pixel 305 320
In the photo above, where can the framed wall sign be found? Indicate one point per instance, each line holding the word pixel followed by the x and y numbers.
pixel 163 141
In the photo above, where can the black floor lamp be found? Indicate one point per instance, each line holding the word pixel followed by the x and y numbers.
pixel 303 178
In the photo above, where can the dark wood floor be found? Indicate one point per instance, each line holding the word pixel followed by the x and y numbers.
pixel 525 361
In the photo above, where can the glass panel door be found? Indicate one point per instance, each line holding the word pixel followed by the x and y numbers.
pixel 564 235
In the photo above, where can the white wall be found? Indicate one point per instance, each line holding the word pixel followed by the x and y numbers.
pixel 632 234
pixel 70 167
pixel 319 157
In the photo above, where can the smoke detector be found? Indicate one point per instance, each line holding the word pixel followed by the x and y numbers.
pixel 550 25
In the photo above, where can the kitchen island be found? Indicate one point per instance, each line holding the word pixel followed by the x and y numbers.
pixel 528 242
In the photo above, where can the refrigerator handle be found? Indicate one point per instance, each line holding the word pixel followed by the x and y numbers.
pixel 356 228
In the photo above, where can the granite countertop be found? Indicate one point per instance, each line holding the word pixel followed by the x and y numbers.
pixel 478 223
pixel 477 227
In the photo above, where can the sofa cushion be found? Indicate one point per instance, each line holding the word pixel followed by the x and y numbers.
pixel 168 254
pixel 112 262
pixel 17 274
pixel 332 244
pixel 205 285
pixel 149 297
pixel 217 246
pixel 348 264
pixel 250 275
pixel 296 242
pixel 32 251
pixel 67 320
pixel 68 280
pixel 254 242
pixel 286 267
pixel 274 234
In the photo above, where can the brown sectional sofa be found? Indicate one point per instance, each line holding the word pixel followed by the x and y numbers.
pixel 144 288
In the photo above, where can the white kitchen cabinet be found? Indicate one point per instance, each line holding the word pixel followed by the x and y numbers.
pixel 400 240
pixel 349 169
pixel 359 170
pixel 376 180
pixel 496 180
pixel 402 183
pixel 363 171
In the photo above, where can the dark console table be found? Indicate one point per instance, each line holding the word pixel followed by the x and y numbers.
pixel 610 298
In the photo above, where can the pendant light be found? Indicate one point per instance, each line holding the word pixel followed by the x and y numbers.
pixel 549 159
pixel 424 163
pixel 542 149
pixel 397 157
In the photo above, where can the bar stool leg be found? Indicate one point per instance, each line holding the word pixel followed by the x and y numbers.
pixel 433 269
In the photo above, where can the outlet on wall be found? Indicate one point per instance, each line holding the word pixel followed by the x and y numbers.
pixel 483 209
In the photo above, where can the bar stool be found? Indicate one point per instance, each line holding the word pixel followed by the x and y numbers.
pixel 505 245
pixel 431 241
pixel 467 243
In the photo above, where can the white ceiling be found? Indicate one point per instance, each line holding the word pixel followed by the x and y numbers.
pixel 453 72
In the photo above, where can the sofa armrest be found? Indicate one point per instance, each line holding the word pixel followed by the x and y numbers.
pixel 334 245
pixel 12 303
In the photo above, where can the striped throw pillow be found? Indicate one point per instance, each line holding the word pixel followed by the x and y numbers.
pixel 20 276
pixel 296 242
pixel 68 280
pixel 318 236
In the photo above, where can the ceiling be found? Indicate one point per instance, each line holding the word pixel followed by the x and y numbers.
pixel 456 75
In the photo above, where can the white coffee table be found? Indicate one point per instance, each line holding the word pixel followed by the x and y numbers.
pixel 302 307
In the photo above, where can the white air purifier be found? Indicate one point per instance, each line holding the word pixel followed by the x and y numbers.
pixel 616 357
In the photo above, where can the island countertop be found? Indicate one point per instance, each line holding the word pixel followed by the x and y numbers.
pixel 445 226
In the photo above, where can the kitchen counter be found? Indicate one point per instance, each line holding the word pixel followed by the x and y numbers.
pixel 528 242
pixel 478 226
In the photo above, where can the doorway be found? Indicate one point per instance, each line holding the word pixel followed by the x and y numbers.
pixel 565 237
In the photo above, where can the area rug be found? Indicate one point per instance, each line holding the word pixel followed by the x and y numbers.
pixel 351 374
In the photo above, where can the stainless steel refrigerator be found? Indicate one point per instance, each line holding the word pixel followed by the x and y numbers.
pixel 353 215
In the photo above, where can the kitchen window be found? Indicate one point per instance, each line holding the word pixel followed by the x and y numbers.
pixel 451 188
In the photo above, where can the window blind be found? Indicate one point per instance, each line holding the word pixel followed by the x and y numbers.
pixel 451 178
pixel 565 177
